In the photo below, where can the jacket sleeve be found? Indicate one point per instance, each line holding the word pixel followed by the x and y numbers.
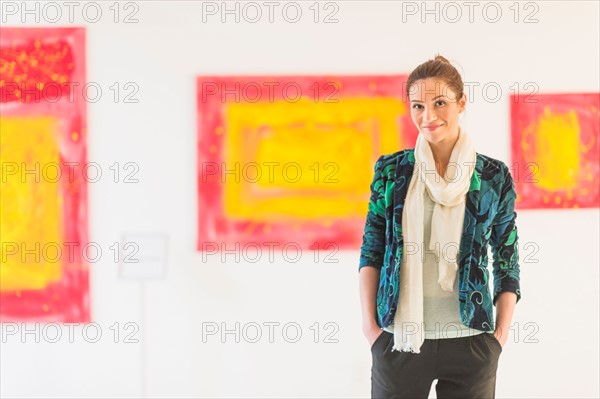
pixel 504 241
pixel 373 242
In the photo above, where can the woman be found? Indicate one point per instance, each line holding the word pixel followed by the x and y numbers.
pixel 426 305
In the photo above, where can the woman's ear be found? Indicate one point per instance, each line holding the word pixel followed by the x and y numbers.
pixel 462 103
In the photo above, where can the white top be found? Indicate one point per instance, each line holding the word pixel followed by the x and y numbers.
pixel 441 308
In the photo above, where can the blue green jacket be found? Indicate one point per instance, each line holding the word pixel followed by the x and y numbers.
pixel 489 218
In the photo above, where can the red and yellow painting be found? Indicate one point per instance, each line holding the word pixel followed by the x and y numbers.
pixel 289 159
pixel 555 150
pixel 43 276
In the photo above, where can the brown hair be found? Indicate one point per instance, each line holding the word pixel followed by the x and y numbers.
pixel 439 68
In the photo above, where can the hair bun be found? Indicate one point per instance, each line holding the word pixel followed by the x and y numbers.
pixel 440 58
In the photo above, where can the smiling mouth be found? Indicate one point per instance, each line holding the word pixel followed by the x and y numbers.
pixel 433 127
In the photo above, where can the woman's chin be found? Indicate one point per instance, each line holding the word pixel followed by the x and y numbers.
pixel 433 137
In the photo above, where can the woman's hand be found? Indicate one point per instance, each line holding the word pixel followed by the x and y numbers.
pixel 502 338
pixel 372 332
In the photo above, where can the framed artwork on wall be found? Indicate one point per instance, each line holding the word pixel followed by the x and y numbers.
pixel 555 150
pixel 288 160
pixel 44 217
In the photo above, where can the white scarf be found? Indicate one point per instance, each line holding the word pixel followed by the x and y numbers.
pixel 446 229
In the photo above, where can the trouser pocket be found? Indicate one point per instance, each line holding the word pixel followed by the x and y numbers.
pixel 492 342
pixel 378 339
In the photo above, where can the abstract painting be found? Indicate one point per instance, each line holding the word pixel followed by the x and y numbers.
pixel 555 150
pixel 289 159
pixel 44 226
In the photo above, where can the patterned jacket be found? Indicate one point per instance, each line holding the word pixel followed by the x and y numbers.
pixel 489 218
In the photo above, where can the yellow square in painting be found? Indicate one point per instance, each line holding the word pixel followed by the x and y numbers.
pixel 304 159
pixel 557 150
pixel 30 204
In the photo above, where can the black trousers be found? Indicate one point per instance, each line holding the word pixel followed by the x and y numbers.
pixel 465 368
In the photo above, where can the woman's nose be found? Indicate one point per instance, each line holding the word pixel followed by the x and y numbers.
pixel 429 116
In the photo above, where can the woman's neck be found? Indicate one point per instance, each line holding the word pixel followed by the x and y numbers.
pixel 442 152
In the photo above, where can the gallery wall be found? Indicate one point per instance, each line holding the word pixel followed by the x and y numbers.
pixel 152 326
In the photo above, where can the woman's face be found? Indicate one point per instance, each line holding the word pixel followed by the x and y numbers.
pixel 434 110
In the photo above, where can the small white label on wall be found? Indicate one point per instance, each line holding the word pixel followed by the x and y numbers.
pixel 143 256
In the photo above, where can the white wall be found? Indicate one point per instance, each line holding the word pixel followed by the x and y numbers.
pixel 163 54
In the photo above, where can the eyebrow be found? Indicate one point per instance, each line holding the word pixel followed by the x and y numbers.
pixel 417 101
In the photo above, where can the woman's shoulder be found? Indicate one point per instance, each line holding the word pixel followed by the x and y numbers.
pixel 493 170
pixel 389 165
pixel 492 163
pixel 399 157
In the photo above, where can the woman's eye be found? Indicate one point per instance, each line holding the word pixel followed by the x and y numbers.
pixel 439 102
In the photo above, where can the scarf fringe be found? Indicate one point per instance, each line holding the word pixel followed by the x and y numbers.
pixel 405 348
